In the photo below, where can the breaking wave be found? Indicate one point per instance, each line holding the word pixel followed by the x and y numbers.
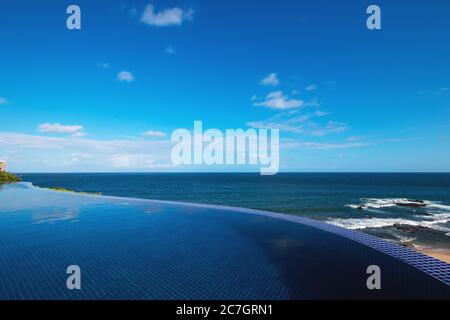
pixel 396 202
pixel 421 215
pixel 365 223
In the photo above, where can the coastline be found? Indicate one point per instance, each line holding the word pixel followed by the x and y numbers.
pixel 275 244
pixel 6 177
pixel 434 252
pixel 440 254
pixel 437 253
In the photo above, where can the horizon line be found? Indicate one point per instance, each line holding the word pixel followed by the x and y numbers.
pixel 219 172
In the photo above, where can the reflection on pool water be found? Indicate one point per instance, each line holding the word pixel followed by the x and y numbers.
pixel 142 249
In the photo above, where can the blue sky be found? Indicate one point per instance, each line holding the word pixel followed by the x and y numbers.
pixel 108 96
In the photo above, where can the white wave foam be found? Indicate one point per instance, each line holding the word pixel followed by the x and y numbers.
pixel 434 219
pixel 404 239
pixel 365 223
pixel 434 216
pixel 354 206
pixel 376 203
pixel 439 206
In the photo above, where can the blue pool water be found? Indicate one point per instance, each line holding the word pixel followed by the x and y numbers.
pixel 321 196
pixel 141 249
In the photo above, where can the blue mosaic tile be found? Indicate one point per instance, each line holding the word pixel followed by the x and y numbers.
pixel 142 249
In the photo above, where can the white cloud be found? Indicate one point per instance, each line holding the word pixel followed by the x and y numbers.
pixel 166 17
pixel 153 133
pixel 278 100
pixel 74 130
pixel 3 101
pixel 270 80
pixel 311 87
pixel 43 153
pixel 125 76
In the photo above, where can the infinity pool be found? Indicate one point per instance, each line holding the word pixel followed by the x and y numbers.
pixel 142 249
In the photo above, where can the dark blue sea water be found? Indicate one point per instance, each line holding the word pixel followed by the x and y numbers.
pixel 142 249
pixel 322 196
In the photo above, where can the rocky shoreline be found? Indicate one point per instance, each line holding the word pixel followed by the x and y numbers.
pixel 6 177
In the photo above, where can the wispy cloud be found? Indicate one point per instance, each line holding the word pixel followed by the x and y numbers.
pixel 278 100
pixel 153 133
pixel 311 87
pixel 270 80
pixel 294 120
pixel 267 124
pixel 169 50
pixel 320 113
pixel 166 17
pixel 133 161
pixel 433 92
pixel 301 120
pixel 104 65
pixel 292 144
pixel 125 76
pixel 330 127
pixel 285 121
pixel 69 153
pixel 3 101
pixel 353 138
pixel 74 130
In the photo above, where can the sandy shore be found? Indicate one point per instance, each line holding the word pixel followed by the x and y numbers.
pixel 440 254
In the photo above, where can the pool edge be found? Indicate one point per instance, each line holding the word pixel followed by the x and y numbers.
pixel 435 268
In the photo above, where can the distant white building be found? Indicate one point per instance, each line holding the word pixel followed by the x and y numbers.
pixel 2 165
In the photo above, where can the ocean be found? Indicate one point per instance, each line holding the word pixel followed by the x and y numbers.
pixel 376 203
